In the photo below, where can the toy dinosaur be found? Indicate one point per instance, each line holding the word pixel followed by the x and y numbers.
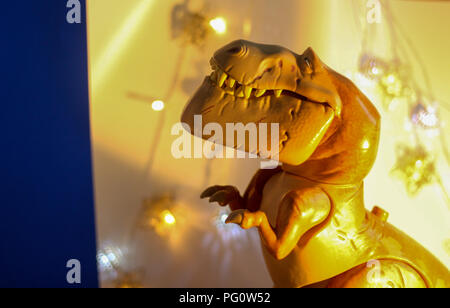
pixel 310 214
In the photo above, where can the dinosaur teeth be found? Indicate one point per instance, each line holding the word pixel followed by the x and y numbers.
pixel 239 92
pixel 221 79
pixel 258 93
pixel 247 91
pixel 231 82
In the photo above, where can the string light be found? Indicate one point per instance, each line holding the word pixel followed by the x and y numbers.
pixel 227 232
pixel 111 266
pixel 415 167
pixel 222 218
pixel 108 258
pixel 158 105
pixel 218 24
pixel 193 27
pixel 392 84
pixel 168 218
pixel 103 261
pixel 425 117
pixel 371 67
pixel 158 214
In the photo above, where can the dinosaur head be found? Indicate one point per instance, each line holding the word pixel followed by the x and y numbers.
pixel 328 130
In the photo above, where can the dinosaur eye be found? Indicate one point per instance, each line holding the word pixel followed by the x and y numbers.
pixel 308 63
pixel 234 50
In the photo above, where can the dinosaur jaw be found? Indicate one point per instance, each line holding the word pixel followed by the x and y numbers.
pixel 223 100
pixel 236 87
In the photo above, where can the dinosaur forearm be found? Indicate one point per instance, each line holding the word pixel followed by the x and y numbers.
pixel 282 243
pixel 295 218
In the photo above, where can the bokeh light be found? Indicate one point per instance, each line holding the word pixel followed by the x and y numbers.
pixel 158 105
pixel 218 24
pixel 168 217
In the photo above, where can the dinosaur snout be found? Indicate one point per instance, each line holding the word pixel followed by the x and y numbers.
pixel 259 66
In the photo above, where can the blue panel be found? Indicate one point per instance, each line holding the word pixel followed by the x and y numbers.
pixel 46 199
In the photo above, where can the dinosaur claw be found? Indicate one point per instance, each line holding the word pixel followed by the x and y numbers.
pixel 204 194
pixel 220 197
pixel 235 217
pixel 209 191
pixel 223 195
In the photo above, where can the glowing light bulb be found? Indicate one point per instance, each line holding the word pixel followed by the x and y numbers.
pixel 223 218
pixel 391 78
pixel 168 218
pixel 429 119
pixel 158 105
pixel 425 117
pixel 104 259
pixel 218 24
pixel 416 176
pixel 112 257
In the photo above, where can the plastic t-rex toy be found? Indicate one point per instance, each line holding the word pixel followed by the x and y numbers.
pixel 314 228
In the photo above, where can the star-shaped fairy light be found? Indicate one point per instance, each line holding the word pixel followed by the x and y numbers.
pixel 424 116
pixel 371 66
pixel 193 27
pixel 158 214
pixel 391 78
pixel 415 167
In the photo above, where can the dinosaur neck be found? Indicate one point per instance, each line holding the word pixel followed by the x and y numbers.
pixel 348 197
pixel 348 150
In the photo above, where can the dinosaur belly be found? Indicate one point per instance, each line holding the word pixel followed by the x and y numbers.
pixel 351 236
pixel 318 255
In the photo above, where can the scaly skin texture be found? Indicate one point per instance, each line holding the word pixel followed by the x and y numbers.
pixel 310 213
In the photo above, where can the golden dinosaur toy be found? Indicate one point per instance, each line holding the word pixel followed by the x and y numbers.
pixel 314 228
